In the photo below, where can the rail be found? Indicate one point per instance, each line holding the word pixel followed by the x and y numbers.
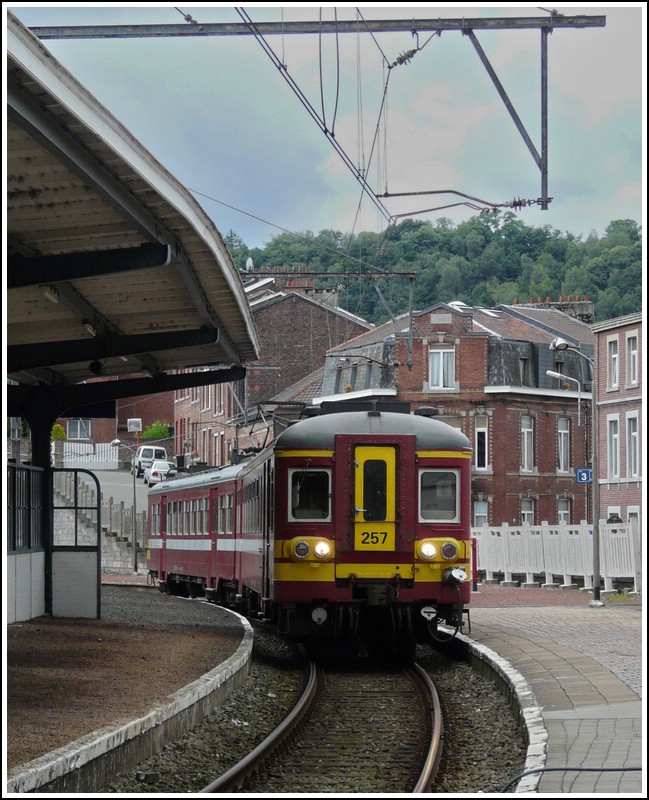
pixel 236 774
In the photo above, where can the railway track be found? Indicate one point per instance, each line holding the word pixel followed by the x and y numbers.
pixel 370 730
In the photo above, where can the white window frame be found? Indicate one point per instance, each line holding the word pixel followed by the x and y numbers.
pixel 527 444
pixel 564 510
pixel 613 446
pixel 83 429
pixel 563 445
pixel 632 444
pixel 633 513
pixel 441 368
pixel 480 513
pixel 528 511
pixel 217 396
pixel 632 358
pixel 612 363
pixel 207 397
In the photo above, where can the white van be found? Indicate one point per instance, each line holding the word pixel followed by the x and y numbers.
pixel 144 456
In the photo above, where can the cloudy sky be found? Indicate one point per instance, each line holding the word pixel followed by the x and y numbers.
pixel 219 115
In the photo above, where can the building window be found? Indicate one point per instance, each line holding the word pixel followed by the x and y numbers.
pixel 563 510
pixel 480 517
pixel 78 429
pixel 207 398
pixel 353 374
pixel 368 376
pixel 194 391
pixel 441 369
pixel 482 442
pixel 632 359
pixel 613 446
pixel 339 374
pixel 612 376
pixel 527 444
pixel 524 371
pixel 527 511
pixel 218 398
pixel 563 444
pixel 632 445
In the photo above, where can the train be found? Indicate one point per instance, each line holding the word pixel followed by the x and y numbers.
pixel 351 527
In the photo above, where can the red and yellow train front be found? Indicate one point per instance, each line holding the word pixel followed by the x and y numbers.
pixel 380 520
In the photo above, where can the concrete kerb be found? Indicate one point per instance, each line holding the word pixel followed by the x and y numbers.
pixel 514 686
pixel 87 764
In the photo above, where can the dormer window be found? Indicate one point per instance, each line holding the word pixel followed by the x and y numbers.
pixel 441 368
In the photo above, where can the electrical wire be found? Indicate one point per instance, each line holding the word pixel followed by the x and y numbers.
pixel 506 786
pixel 285 230
pixel 314 115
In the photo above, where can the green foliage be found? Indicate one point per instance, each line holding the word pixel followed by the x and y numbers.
pixel 157 430
pixel 58 432
pixel 490 259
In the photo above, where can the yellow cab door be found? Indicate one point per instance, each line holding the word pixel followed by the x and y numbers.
pixel 374 498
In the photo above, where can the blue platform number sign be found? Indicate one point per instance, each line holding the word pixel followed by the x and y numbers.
pixel 584 475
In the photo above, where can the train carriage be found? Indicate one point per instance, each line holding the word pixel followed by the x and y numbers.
pixel 351 526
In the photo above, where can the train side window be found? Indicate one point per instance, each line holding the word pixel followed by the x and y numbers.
pixel 310 495
pixel 225 514
pixel 155 520
pixel 438 495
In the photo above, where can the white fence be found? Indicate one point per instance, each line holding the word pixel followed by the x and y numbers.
pixel 560 551
pixel 85 455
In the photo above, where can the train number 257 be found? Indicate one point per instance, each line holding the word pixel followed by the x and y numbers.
pixel 374 537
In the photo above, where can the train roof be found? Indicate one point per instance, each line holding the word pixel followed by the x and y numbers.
pixel 319 432
pixel 187 481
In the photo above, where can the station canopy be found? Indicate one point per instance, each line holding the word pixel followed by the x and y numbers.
pixel 113 269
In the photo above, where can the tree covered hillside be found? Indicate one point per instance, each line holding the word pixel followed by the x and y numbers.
pixel 491 259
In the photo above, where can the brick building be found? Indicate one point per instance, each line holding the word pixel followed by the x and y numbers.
pixel 296 327
pixel 618 367
pixel 93 428
pixel 484 372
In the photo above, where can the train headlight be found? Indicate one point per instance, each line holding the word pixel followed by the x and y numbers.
pixel 309 548
pixel 301 549
pixel 449 551
pixel 322 549
pixel 427 550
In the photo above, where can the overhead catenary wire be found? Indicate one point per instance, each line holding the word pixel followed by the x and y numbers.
pixel 314 115
pixel 322 101
pixel 286 230
pixel 360 170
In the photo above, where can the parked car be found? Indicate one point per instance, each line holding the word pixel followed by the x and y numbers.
pixel 144 456
pixel 159 471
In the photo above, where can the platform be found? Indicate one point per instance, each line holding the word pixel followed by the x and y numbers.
pixel 578 669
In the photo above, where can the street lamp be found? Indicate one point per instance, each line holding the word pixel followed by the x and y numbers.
pixel 562 377
pixel 562 344
pixel 118 443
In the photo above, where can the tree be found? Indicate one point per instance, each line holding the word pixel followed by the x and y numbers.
pixel 158 430
pixel 58 433
pixel 489 259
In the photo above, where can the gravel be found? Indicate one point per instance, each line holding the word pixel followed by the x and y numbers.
pixel 483 743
